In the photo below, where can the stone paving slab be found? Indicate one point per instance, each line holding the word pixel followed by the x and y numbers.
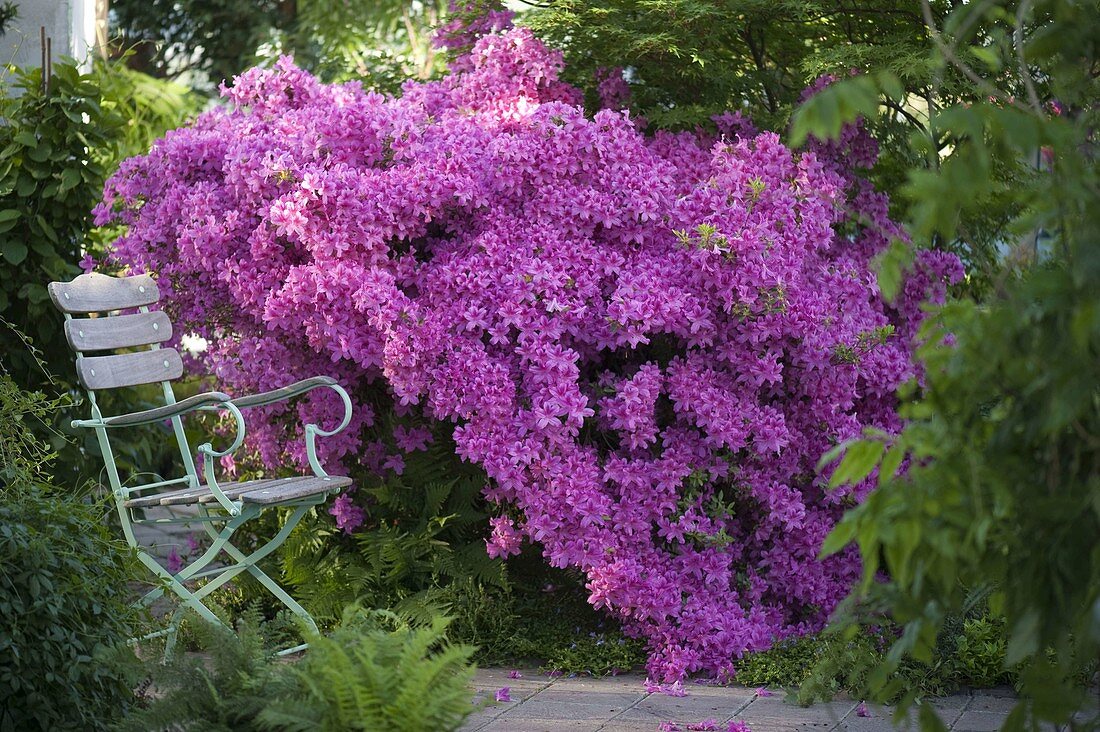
pixel 539 703
pixel 970 721
pixel 160 539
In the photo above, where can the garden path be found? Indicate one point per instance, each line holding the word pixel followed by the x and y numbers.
pixel 621 704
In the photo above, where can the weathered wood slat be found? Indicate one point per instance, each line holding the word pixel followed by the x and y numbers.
pixel 97 293
pixel 164 498
pixel 233 491
pixel 262 491
pixel 129 369
pixel 122 331
pixel 294 488
pixel 158 414
pixel 278 395
pixel 185 496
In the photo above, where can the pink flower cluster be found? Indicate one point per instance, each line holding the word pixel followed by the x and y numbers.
pixel 646 342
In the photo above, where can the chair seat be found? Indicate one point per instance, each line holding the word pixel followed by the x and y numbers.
pixel 265 491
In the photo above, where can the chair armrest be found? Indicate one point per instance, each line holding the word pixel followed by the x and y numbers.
pixel 284 393
pixel 157 414
pixel 312 431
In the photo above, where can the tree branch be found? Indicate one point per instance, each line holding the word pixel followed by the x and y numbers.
pixel 1018 43
pixel 949 54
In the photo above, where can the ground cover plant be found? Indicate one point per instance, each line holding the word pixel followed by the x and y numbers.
pixel 540 618
pixel 376 671
pixel 645 342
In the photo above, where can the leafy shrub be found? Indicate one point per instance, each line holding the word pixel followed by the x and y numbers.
pixel 65 605
pixel 1001 491
pixel 49 182
pixel 23 456
pixel 57 146
pixel 67 609
pixel 56 149
pixel 375 672
pixel 786 664
pixel 979 657
pixel 970 652
pixel 482 616
pixel 223 691
pixel 644 343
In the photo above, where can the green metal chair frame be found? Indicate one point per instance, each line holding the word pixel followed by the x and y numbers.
pixel 224 507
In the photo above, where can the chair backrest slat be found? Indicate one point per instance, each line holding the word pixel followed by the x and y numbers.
pixel 96 293
pixel 129 369
pixel 120 331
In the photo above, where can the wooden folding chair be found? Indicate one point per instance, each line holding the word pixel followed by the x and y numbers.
pixel 224 508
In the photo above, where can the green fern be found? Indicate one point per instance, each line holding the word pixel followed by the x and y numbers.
pixel 379 671
pixel 222 693
pixel 424 529
pixel 408 678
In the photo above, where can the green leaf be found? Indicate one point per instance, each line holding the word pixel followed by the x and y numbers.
pixel 890 463
pixel 1023 641
pixel 988 56
pixel 26 186
pixel 41 152
pixel 70 178
pixel 14 251
pixel 832 454
pixel 35 293
pixel 26 139
pixel 48 230
pixel 929 720
pixel 891 86
pixel 840 537
pixel 860 459
pixel 890 269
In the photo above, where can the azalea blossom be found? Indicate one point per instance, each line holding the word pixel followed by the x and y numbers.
pixel 646 341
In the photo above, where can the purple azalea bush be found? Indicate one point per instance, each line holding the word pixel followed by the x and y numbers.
pixel 646 341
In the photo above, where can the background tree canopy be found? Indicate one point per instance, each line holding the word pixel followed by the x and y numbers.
pixel 687 60
pixel 382 42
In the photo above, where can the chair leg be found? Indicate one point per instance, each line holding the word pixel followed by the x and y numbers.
pixel 248 562
pixel 190 599
pixel 242 563
pixel 174 582
pixel 173 631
